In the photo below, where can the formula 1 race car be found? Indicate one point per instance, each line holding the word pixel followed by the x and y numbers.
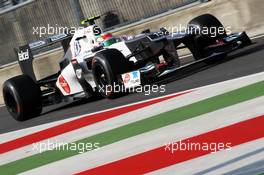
pixel 96 62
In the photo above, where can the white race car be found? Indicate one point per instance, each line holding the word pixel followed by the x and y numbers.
pixel 97 62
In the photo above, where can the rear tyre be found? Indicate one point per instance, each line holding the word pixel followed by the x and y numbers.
pixel 107 67
pixel 22 97
pixel 205 39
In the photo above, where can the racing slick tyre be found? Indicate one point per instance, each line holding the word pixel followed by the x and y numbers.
pixel 22 97
pixel 107 66
pixel 205 37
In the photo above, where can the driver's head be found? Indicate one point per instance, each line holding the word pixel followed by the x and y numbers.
pixel 108 39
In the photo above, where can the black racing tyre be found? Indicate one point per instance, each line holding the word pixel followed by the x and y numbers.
pixel 210 22
pixel 107 66
pixel 22 97
pixel 204 39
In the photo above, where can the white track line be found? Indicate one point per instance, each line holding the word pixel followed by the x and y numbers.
pixel 153 139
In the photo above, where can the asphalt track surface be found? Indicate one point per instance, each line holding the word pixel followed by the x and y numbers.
pixel 240 63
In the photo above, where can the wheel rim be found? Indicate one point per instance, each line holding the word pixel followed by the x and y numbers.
pixel 101 77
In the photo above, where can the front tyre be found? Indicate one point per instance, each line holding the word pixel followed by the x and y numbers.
pixel 107 66
pixel 22 97
pixel 204 39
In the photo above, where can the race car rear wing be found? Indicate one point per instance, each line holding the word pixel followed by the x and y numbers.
pixel 25 53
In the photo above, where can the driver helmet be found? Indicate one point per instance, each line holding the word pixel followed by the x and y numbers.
pixel 108 39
